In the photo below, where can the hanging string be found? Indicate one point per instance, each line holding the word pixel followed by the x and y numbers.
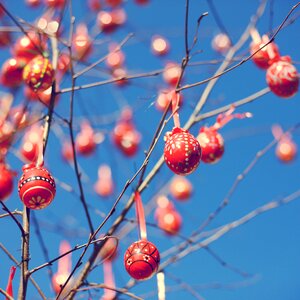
pixel 174 97
pixel 109 281
pixel 140 216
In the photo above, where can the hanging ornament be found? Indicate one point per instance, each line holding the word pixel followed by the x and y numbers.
pixel 264 56
pixel 82 43
pixel 115 58
pixel 109 250
pixel 85 142
pixel 141 2
pixel 164 98
pixel 33 3
pixel 172 73
pixel 181 188
pixel 159 45
pixel 182 151
pixel 283 78
pixel 63 64
pixel 67 152
pixel 211 141
pixel 286 149
pixel 5 39
pixel 28 47
pixel 167 216
pixel 38 74
pixel 30 144
pixel 125 136
pixel 94 5
pixel 104 187
pixel 9 287
pixel 113 3
pixel 64 268
pixel 120 74
pixel 109 21
pixel 36 187
pixel 221 43
pixel 59 4
pixel 142 258
pixel 11 72
pixel 6 181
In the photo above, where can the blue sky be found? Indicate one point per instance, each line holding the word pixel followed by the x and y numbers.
pixel 268 246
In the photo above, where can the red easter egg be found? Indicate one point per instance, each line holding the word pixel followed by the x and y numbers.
pixel 120 74
pixel 29 151
pixel 115 59
pixel 94 5
pixel 58 281
pixel 170 221
pixel 282 78
pixel 55 3
pixel 33 3
pixel 164 98
pixel 67 151
pixel 262 58
pixel 5 38
pixel 109 250
pixel 105 21
pixel 171 73
pixel 63 63
pixel 221 43
pixel 82 44
pixel 159 45
pixel 85 142
pixel 182 152
pixel 109 21
pixel 181 188
pixel 212 145
pixel 126 138
pixel 141 2
pixel 6 182
pixel 6 134
pixel 114 3
pixel 141 260
pixel 38 74
pixel 286 150
pixel 36 187
pixel 28 46
pixel 11 72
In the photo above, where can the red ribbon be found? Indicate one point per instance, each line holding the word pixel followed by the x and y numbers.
pixel 140 216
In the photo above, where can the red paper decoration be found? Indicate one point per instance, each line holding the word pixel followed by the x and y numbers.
pixel 38 74
pixel 36 187
pixel 182 151
pixel 141 260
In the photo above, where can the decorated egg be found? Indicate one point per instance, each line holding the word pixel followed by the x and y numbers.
pixel 141 260
pixel 36 187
